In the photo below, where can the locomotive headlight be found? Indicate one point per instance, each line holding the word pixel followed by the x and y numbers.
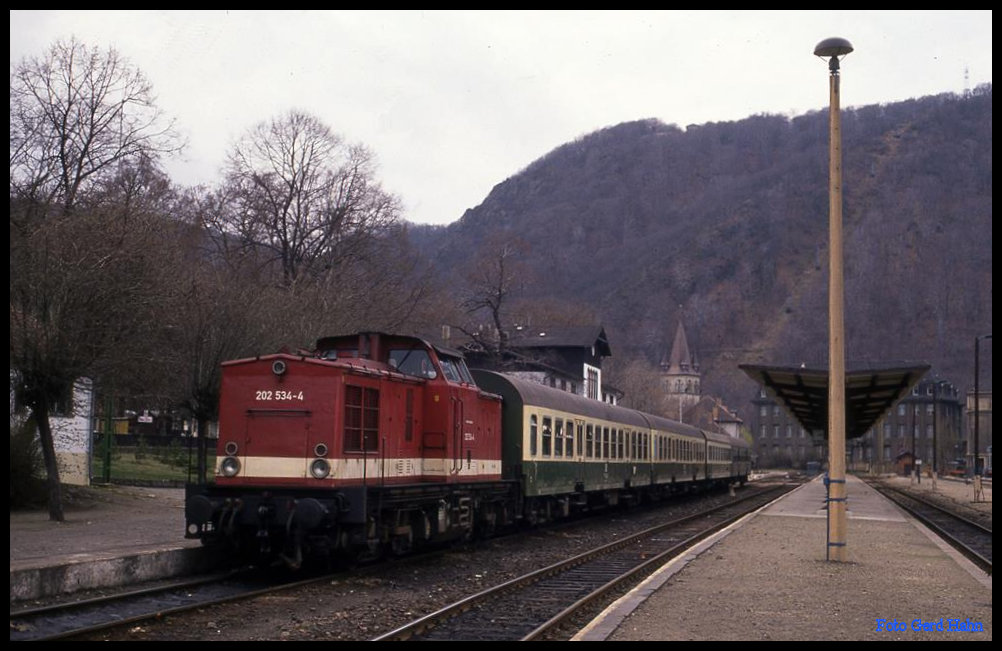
pixel 320 450
pixel 229 466
pixel 231 448
pixel 278 367
pixel 320 468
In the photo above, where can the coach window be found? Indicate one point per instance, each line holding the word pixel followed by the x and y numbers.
pixel 533 434
pixel 577 447
pixel 547 435
pixel 558 439
pixel 605 442
pixel 361 419
pixel 589 441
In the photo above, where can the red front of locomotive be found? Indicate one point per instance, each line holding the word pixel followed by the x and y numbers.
pixel 277 418
pixel 317 446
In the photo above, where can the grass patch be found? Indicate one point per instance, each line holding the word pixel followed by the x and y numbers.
pixel 134 464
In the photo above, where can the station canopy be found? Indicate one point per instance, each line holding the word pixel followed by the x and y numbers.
pixel 870 392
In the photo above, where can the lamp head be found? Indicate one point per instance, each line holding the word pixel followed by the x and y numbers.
pixel 833 48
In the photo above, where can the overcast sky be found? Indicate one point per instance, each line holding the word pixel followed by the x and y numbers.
pixel 453 102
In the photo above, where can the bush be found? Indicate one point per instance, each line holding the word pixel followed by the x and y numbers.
pixel 26 466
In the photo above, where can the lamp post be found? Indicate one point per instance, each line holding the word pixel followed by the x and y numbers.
pixel 935 429
pixel 832 49
pixel 977 402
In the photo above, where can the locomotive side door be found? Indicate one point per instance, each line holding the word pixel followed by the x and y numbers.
pixel 461 437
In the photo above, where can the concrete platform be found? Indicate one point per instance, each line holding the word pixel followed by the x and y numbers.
pixel 766 578
pixel 112 535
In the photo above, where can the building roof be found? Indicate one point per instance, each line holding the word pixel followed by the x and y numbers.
pixel 680 358
pixel 709 413
pixel 561 337
pixel 870 391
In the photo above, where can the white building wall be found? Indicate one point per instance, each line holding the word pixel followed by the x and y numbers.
pixel 71 436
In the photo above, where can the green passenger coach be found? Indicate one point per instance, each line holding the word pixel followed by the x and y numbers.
pixel 573 453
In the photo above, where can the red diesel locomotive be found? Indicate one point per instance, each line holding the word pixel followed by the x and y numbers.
pixel 380 442
pixel 375 439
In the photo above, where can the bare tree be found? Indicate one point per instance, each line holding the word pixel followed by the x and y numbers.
pixel 75 115
pixel 299 192
pixel 88 261
pixel 496 274
pixel 223 313
pixel 640 383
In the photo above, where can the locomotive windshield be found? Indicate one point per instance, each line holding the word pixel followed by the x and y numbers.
pixel 413 361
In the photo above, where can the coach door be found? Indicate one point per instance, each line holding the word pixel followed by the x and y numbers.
pixel 580 467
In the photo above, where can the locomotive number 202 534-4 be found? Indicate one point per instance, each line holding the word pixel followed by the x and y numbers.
pixel 278 395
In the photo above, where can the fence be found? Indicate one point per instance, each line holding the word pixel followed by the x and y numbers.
pixel 152 460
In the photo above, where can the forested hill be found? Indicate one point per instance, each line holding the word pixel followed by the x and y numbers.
pixel 729 222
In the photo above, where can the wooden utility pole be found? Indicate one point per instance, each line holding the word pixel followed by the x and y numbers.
pixel 832 48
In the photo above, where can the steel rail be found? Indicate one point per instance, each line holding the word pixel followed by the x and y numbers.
pixel 898 496
pixel 428 622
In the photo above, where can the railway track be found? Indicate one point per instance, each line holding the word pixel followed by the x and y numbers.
pixel 530 606
pixel 972 539
pixel 63 620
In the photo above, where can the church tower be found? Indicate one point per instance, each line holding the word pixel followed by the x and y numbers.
pixel 680 377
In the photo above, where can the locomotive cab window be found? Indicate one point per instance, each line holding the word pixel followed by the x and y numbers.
pixel 453 369
pixel 333 353
pixel 415 362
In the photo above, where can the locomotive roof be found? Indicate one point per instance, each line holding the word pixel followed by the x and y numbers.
pixel 539 395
